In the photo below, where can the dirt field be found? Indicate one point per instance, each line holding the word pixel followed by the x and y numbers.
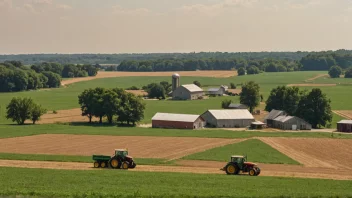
pixel 311 85
pixel 344 113
pixel 86 145
pixel 64 116
pixel 315 152
pixel 218 74
pixel 318 76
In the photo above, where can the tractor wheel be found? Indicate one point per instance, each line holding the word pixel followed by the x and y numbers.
pixel 125 165
pixel 252 172
pixel 257 170
pixel 103 164
pixel 231 169
pixel 133 165
pixel 96 164
pixel 114 163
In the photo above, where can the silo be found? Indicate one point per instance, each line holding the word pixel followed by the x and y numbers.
pixel 175 81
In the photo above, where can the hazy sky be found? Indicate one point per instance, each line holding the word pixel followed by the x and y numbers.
pixel 126 26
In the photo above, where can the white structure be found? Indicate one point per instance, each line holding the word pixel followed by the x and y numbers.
pixel 234 118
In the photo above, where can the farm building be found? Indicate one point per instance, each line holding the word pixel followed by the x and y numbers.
pixel 187 92
pixel 217 91
pixel 290 123
pixel 236 118
pixel 257 125
pixel 344 126
pixel 237 106
pixel 272 115
pixel 177 121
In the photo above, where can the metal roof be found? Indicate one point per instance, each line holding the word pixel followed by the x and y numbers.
pixel 175 117
pixel 192 88
pixel 258 123
pixel 236 105
pixel 345 122
pixel 273 114
pixel 213 89
pixel 283 118
pixel 231 114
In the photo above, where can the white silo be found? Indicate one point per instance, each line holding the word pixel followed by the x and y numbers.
pixel 175 81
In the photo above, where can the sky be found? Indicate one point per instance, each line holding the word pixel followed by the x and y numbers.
pixel 150 26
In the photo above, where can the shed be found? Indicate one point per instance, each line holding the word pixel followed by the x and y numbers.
pixel 177 121
pixel 344 126
pixel 237 106
pixel 226 118
pixel 272 115
pixel 257 125
pixel 217 91
pixel 290 123
pixel 187 92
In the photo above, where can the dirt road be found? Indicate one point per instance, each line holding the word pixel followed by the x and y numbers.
pixel 198 167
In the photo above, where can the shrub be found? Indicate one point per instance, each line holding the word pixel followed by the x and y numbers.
pixel 348 73
pixel 241 71
pixel 335 71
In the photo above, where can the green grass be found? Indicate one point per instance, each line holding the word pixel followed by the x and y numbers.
pixel 256 151
pixel 7 131
pixel 112 183
pixel 72 158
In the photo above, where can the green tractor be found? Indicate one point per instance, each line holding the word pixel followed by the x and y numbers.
pixel 120 160
pixel 239 164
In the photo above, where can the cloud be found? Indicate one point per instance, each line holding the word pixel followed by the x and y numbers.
pixel 134 12
pixel 64 7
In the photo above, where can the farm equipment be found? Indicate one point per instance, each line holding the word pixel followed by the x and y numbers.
pixel 239 164
pixel 120 160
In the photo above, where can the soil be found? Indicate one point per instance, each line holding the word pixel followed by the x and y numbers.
pixel 64 116
pixel 344 113
pixel 315 152
pixel 311 85
pixel 101 74
pixel 86 145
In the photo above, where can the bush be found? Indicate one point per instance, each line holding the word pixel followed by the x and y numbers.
pixel 348 73
pixel 225 104
pixel 335 72
pixel 132 88
pixel 253 70
pixel 197 83
pixel 241 71
pixel 232 86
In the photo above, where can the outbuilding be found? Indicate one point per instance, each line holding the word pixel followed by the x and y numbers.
pixel 237 106
pixel 234 118
pixel 177 121
pixel 344 126
pixel 269 119
pixel 217 91
pixel 187 92
pixel 290 123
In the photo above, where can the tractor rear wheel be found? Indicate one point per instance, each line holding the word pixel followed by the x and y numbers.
pixel 114 163
pixel 231 169
pixel 125 165
pixel 252 172
pixel 103 164
pixel 96 164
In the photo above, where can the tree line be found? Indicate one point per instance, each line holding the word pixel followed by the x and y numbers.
pixel 323 61
pixel 14 76
pixel 314 107
pixel 100 102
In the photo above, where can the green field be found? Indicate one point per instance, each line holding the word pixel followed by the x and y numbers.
pixel 70 158
pixel 256 151
pixel 112 183
pixel 7 131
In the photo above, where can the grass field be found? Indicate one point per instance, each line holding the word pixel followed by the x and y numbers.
pixel 70 158
pixel 254 149
pixel 112 183
pixel 7 131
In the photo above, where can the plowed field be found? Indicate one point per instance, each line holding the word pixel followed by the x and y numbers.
pixel 344 113
pixel 217 74
pixel 63 116
pixel 86 145
pixel 314 152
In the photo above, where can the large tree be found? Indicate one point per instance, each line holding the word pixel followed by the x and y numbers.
pixel 335 71
pixel 110 104
pixel 156 91
pixel 85 100
pixel 283 98
pixel 315 108
pixel 19 109
pixel 241 71
pixel 54 80
pixel 250 95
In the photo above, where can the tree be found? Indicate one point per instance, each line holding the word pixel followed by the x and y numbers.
pixel 250 95
pixel 167 86
pixel 156 91
pixel 19 110
pixel 110 104
pixel 241 71
pixel 283 98
pixel 54 80
pixel 85 100
pixel 36 112
pixel 232 86
pixel 315 108
pixel 226 103
pixel 253 70
pixel 335 71
pixel 348 73
pixel 197 83
pixel 20 80
pixel 137 108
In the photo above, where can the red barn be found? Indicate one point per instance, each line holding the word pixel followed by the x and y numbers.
pixel 177 121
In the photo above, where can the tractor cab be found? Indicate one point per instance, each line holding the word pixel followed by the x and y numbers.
pixel 121 152
pixel 239 160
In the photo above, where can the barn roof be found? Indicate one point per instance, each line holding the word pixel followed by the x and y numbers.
pixel 233 114
pixel 236 105
pixel 273 114
pixel 345 122
pixel 283 118
pixel 258 123
pixel 175 117
pixel 192 88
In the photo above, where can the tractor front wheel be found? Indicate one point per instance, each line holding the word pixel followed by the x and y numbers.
pixel 252 172
pixel 96 164
pixel 231 169
pixel 133 165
